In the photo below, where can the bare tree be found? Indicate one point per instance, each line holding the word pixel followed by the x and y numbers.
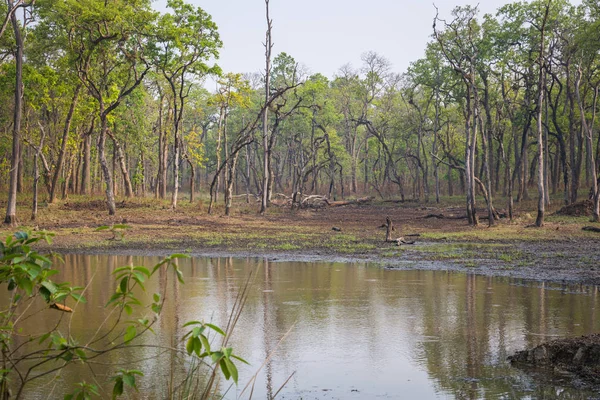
pixel 265 112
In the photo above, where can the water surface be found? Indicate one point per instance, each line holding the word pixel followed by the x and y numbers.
pixel 359 331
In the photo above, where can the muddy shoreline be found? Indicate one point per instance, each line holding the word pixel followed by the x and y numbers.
pixel 559 252
pixel 546 267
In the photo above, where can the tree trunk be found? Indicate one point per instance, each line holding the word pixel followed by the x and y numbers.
pixel 11 209
pixel 63 145
pixel 176 150
pixel 36 175
pixel 123 165
pixel 540 129
pixel 231 165
pixel 192 179
pixel 265 116
pixel 87 158
pixel 108 179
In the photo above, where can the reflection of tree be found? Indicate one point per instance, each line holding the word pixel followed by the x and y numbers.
pixel 485 324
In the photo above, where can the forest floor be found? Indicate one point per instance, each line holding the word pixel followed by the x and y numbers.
pixel 560 251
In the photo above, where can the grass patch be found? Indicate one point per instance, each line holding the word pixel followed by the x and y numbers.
pixel 287 246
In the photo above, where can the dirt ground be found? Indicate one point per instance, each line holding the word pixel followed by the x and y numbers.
pixel 560 251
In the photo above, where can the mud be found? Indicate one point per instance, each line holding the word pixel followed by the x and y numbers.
pixel 577 356
pixel 558 252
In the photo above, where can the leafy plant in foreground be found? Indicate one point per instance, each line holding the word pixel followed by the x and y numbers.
pixel 33 356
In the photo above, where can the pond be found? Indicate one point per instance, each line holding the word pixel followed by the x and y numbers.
pixel 355 330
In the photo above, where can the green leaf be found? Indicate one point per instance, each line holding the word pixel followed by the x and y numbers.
pixel 68 356
pixel 232 370
pixel 205 342
pixel 240 359
pixel 172 256
pixel 216 356
pixel 189 323
pixel 197 346
pixel 78 298
pixel 44 337
pixel 123 285
pixel 21 235
pixel 216 329
pixel 224 368
pixel 50 286
pixel 130 333
pixel 114 297
pixel 118 388
pixel 143 270
pixel 129 380
pixel 121 269
pixel 156 297
pixel 140 276
pixel 81 354
pixel 128 309
pixel 45 294
pixel 189 347
pixel 26 285
pixel 179 276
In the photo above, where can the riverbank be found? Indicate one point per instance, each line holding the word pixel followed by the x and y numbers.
pixel 559 252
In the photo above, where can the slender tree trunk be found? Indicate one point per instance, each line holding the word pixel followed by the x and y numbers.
pixel 63 145
pixel 265 116
pixel 20 171
pixel 231 165
pixel 68 174
pixel 219 149
pixel 192 179
pixel 11 209
pixel 36 175
pixel 123 165
pixel 540 129
pixel 87 156
pixel 108 179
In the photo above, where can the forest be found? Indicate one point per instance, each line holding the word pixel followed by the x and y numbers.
pixel 278 186
pixel 108 97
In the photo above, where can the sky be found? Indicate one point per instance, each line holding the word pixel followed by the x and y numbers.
pixel 323 35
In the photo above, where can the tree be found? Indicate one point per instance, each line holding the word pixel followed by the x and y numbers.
pixel 11 208
pixel 109 61
pixel 185 41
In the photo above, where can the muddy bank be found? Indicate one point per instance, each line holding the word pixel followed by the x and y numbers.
pixel 578 356
pixel 559 252
pixel 543 262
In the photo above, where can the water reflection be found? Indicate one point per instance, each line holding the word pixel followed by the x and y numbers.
pixel 360 332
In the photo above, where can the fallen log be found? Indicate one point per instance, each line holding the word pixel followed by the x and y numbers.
pixel 363 200
pixel 591 229
pixel 442 216
pixel 438 216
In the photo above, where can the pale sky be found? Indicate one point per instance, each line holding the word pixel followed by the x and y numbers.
pixel 326 34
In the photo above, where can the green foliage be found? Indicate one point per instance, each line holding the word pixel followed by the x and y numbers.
pixel 26 274
pixel 84 391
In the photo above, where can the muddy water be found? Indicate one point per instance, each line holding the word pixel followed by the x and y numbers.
pixel 357 331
